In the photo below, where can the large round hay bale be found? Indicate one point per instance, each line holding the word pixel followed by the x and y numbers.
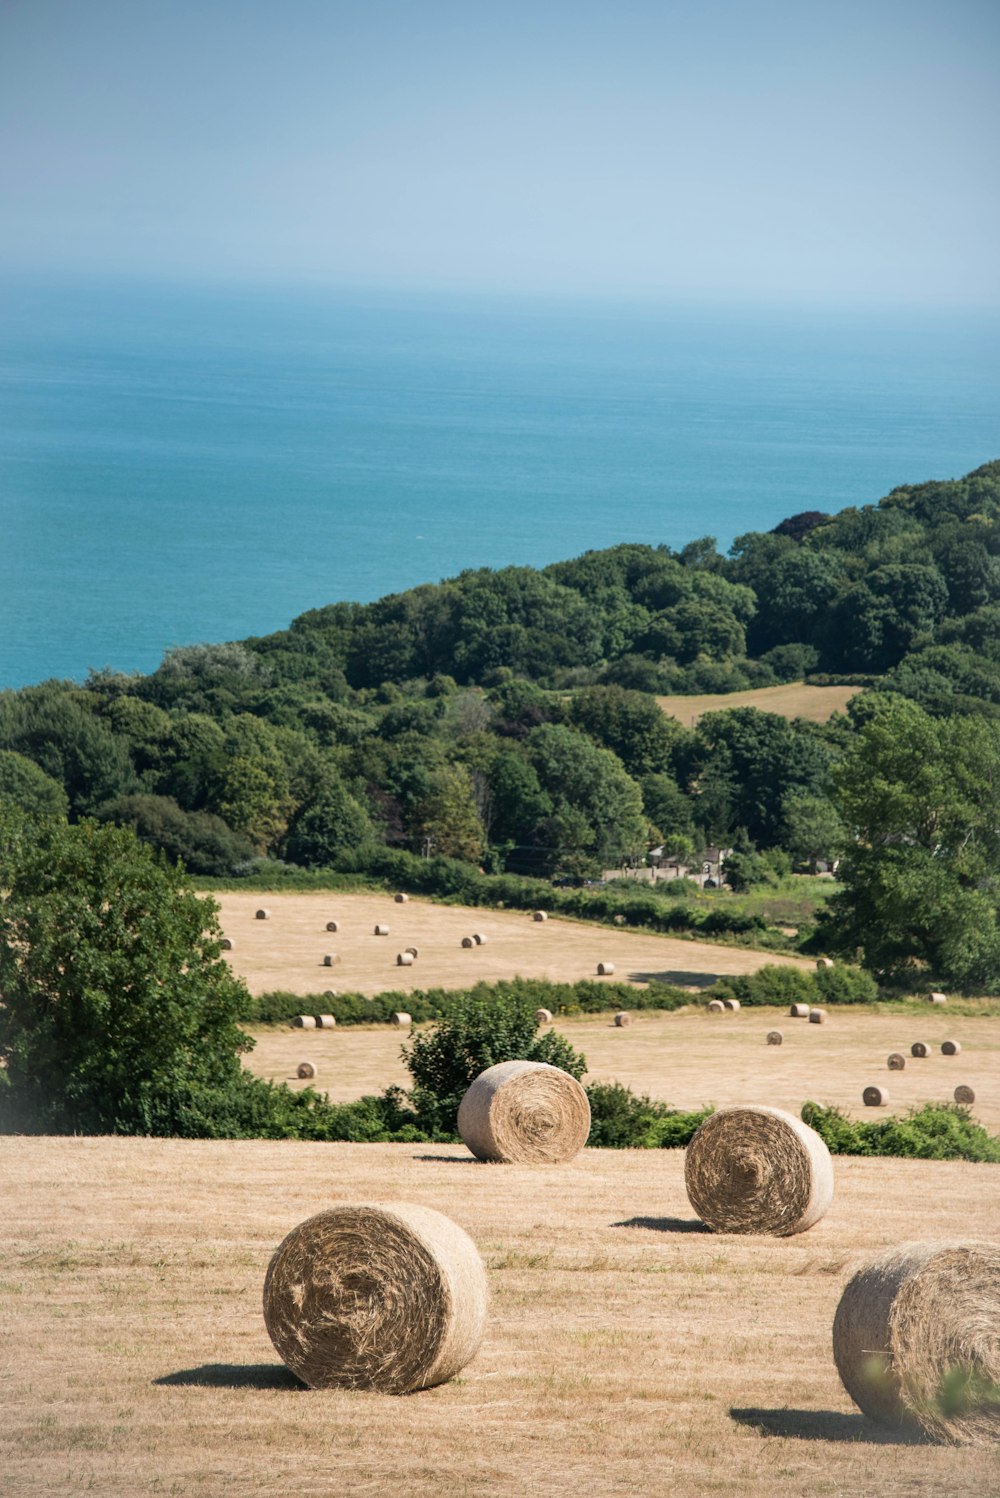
pixel 326 1021
pixel 951 1047
pixel 401 1018
pixel 400 898
pixel 916 1339
pixel 381 930
pixel 716 1006
pixel 333 925
pixel 895 1061
pixel 543 1016
pixel 479 938
pixel 525 1112
pixel 920 1048
pixel 330 959
pixel 404 959
pixel 799 1011
pixel 875 1097
pixel 823 962
pixel 758 1170
pixel 817 1016
pixel 262 915
pixel 304 1022
pixel 623 1018
pixel 226 944
pixel 304 1070
pixel 389 1298
pixel 539 915
pixel 605 969
pixel 964 1095
pixel 775 1037
pixel 937 998
pixel 733 1005
pixel 467 942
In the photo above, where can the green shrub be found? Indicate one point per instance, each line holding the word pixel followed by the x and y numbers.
pixel 937 1131
pixel 778 985
pixel 619 1119
pixel 845 985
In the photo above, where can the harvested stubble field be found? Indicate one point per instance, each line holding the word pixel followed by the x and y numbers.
pixel 692 1058
pixel 287 951
pixel 627 1350
pixel 796 699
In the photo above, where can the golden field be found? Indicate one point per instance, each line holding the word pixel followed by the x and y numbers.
pixel 795 699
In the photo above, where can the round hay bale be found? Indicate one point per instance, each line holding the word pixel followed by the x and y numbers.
pixel 775 1037
pixel 622 1018
pixel 226 944
pixel 329 993
pixel 388 1298
pixel 875 1097
pixel 965 1095
pixel 414 953
pixel 479 939
pixel 304 1070
pixel 937 998
pixel 817 1016
pixel 823 962
pixel 304 1022
pixel 619 920
pixel 381 930
pixel 400 898
pixel 951 1048
pixel 799 1011
pixel 540 915
pixel 404 959
pixel 716 1006
pixel 330 959
pixel 333 925
pixel 915 1339
pixel 401 1018
pixel 895 1061
pixel 262 915
pixel 543 1016
pixel 467 941
pixel 733 1005
pixel 326 1021
pixel 920 1048
pixel 758 1170
pixel 605 969
pixel 526 1113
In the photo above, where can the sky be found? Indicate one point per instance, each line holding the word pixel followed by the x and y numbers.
pixel 781 150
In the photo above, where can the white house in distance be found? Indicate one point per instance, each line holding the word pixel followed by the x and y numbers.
pixel 708 869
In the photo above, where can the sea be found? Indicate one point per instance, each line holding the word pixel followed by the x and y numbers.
pixel 182 464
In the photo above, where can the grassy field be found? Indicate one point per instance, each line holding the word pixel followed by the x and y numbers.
pixel 287 950
pixel 628 1351
pixel 793 700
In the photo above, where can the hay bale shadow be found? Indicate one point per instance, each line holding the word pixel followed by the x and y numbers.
pixel 678 977
pixel 823 1425
pixel 665 1224
pixel 452 1159
pixel 234 1376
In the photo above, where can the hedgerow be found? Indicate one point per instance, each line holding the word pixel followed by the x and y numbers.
pixel 937 1131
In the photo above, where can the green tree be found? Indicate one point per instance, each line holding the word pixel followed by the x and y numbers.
pixel 117 1003
pixel 28 787
pixel 334 824
pixel 448 817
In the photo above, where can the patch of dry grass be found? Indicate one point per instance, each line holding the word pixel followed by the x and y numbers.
pixel 627 1351
pixel 793 700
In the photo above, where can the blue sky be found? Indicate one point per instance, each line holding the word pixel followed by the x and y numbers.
pixel 783 150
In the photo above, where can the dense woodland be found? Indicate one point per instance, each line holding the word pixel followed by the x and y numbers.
pixel 508 719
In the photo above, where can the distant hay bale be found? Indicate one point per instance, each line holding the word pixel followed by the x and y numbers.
pixel 540 915
pixel 326 1021
pixel 387 1298
pixel 400 898
pixel 799 1011
pixel 920 1048
pixel 758 1170
pixel 543 1016
pixel 304 1022
pixel 333 925
pixel 937 998
pixel 330 959
pixel 605 969
pixel 479 938
pixel 619 920
pixel 965 1095
pixel 817 1016
pixel 404 959
pixel 329 993
pixel 468 941
pixel 915 1339
pixel 226 944
pixel 733 1005
pixel 401 1018
pixel 413 951
pixel 716 1006
pixel 526 1113
pixel 623 1018
pixel 262 915
pixel 775 1037
pixel 875 1097
pixel 895 1061
pixel 381 930
pixel 823 962
pixel 304 1070
pixel 951 1048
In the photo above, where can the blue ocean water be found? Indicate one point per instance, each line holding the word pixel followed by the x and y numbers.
pixel 179 465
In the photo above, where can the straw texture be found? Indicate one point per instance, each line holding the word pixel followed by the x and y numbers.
pixel 775 1037
pixel 226 944
pixel 404 959
pixel 951 1048
pixel 937 998
pixel 305 1069
pixel 388 1298
pixel 326 1021
pixel 304 1022
pixel 262 915
pixel 540 915
pixel 963 1094
pixel 733 1005
pixel 716 1006
pixel 605 969
pixel 817 1016
pixel 401 1018
pixel 758 1170
pixel 381 930
pixel 333 925
pixel 799 1011
pixel 525 1112
pixel 543 1016
pixel 916 1339
pixel 920 1048
pixel 895 1062
pixel 623 1018
pixel 401 899
pixel 823 962
pixel 875 1097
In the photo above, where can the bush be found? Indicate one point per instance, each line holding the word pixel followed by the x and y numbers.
pixel 937 1131
pixel 619 1119
pixel 780 985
